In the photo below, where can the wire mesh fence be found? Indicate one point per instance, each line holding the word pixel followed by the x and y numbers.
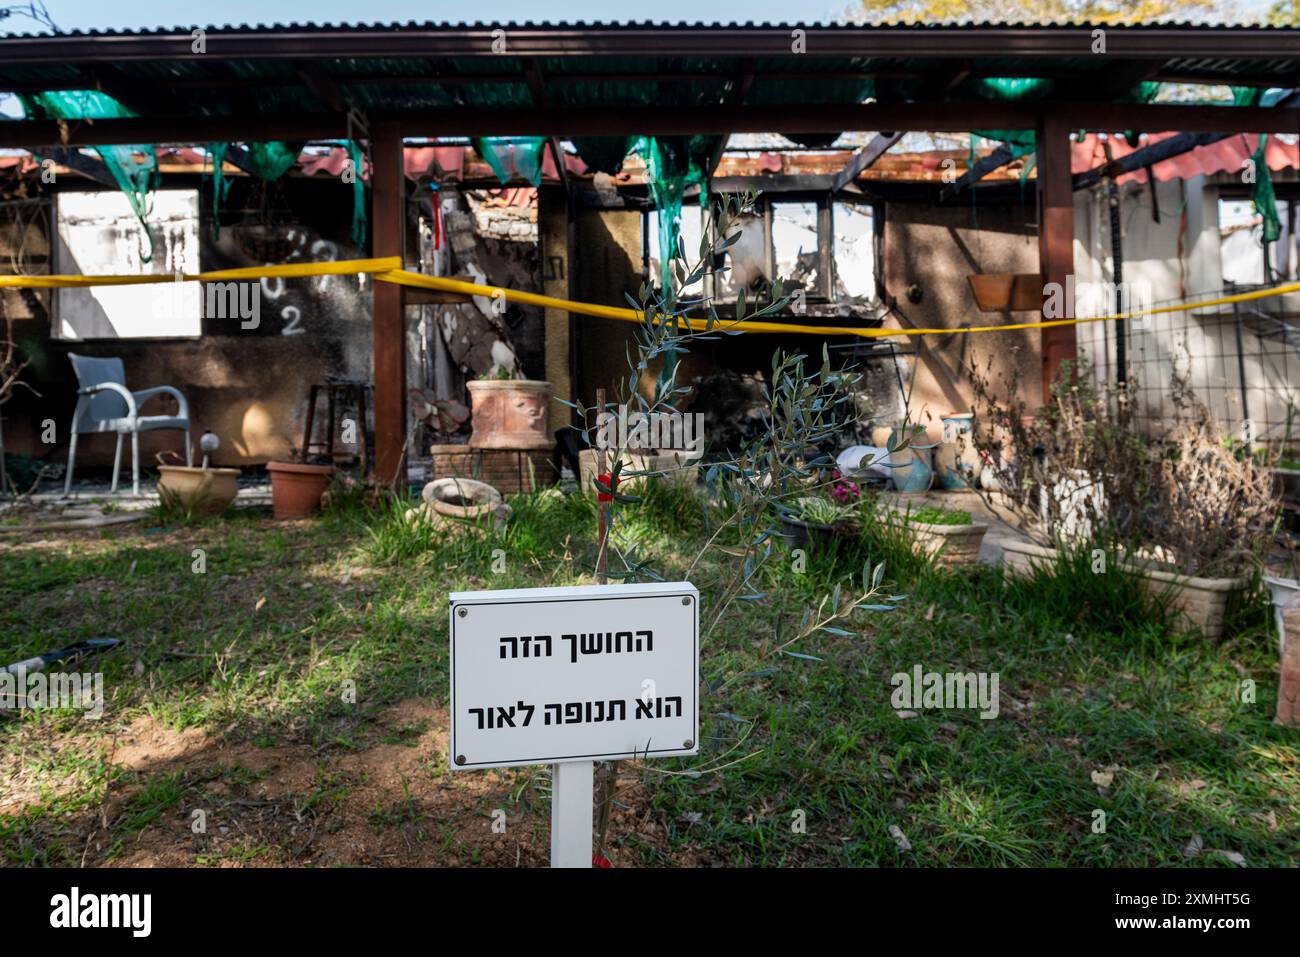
pixel 1241 359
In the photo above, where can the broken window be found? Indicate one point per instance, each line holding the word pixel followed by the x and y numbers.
pixel 691 229
pixel 747 264
pixel 796 247
pixel 790 239
pixel 98 233
pixel 854 251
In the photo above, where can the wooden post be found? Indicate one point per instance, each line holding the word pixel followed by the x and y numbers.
pixel 388 219
pixel 1055 235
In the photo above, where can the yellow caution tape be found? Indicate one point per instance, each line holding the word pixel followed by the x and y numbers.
pixel 443 284
pixel 389 269
pixel 347 267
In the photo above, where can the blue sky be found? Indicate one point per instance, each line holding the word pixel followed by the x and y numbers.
pixel 98 15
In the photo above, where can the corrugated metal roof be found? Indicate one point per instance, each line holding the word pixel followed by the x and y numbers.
pixel 598 25
pixel 278 70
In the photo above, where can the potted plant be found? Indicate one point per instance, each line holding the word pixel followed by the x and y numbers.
pixel 297 489
pixel 509 412
pixel 1280 591
pixel 956 461
pixel 205 490
pixel 1187 512
pixel 812 519
pixel 949 536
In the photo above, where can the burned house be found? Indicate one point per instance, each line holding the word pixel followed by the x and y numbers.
pixel 516 156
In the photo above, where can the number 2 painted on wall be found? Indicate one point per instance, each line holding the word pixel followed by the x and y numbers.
pixel 293 314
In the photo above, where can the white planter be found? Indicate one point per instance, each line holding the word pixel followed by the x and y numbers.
pixel 1199 601
pixel 1281 590
pixel 950 544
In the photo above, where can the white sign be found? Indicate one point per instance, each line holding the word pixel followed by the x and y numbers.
pixel 589 673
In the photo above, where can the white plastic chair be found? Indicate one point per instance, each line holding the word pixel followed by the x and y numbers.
pixel 105 404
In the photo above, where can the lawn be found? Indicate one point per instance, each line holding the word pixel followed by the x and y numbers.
pixel 280 700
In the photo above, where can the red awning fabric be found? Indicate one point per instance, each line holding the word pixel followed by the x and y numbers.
pixel 1225 156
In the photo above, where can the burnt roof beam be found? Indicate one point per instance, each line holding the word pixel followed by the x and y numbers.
pixel 1153 153
pixel 999 158
pixel 864 159
pixel 740 86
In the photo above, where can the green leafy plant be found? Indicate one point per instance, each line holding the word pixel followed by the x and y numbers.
pixel 803 408
pixel 939 515
pixel 501 374
pixel 822 511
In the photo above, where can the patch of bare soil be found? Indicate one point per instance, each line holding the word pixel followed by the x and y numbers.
pixel 390 804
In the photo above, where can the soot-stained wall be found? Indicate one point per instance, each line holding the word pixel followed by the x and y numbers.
pixel 248 385
pixel 934 249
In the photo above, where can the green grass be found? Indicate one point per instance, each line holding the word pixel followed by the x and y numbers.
pixel 261 649
pixel 938 515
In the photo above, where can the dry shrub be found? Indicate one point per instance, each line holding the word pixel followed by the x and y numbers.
pixel 1077 470
pixel 1070 469
pixel 1216 502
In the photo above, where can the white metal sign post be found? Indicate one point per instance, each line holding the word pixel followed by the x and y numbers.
pixel 571 676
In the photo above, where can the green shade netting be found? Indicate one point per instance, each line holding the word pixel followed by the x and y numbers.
pixel 134 167
pixel 513 157
pixel 271 160
pixel 604 154
pixel 673 164
pixel 1262 196
pixel 358 194
pixel 220 185
pixel 1011 88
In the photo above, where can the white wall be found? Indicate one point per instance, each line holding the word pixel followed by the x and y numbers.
pixel 1178 260
pixel 99 234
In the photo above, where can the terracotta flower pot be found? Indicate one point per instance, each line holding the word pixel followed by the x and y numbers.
pixel 510 414
pixel 296 490
pixel 209 491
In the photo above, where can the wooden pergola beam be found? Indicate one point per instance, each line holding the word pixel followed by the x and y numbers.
pixel 1198 77
pixel 934 117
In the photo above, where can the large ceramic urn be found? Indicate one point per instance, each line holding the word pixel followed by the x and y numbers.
pixel 510 414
